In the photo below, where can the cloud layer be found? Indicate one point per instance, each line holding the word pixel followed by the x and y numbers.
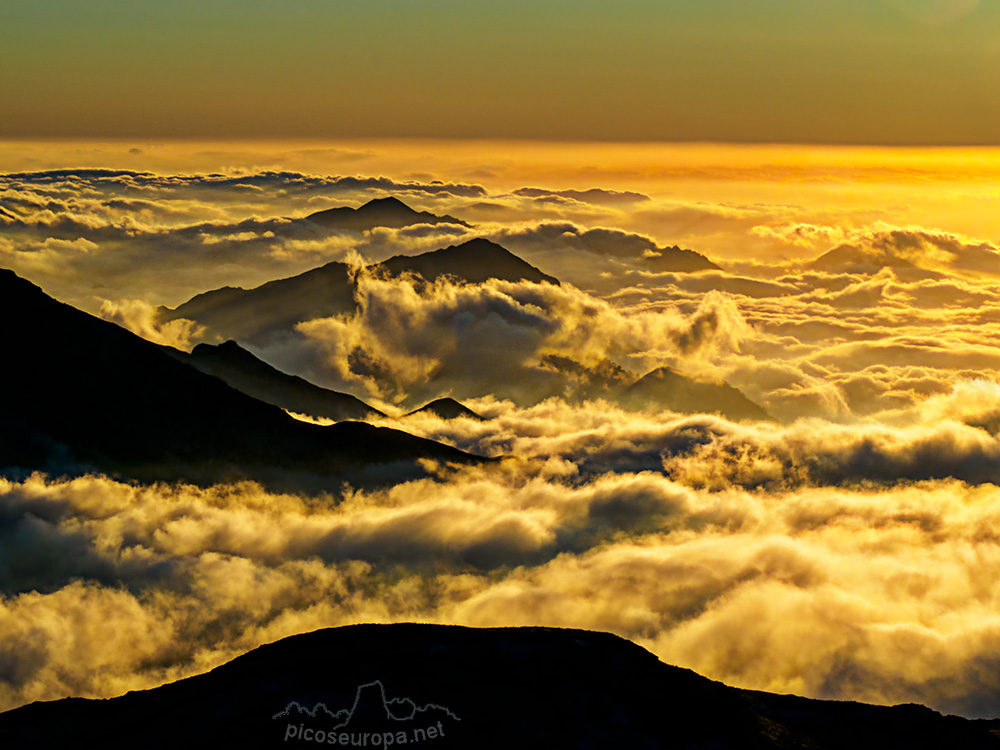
pixel 870 587
pixel 844 550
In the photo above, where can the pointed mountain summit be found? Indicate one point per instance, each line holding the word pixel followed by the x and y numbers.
pixel 447 408
pixel 487 688
pixel 275 307
pixel 83 393
pixel 246 373
pixel 380 212
pixel 474 262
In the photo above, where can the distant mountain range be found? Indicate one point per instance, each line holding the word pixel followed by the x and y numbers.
pixel 244 314
pixel 246 373
pixel 274 308
pixel 381 212
pixel 490 688
pixel 661 388
pixel 83 393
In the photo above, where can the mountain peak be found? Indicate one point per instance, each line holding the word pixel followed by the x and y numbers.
pixel 447 408
pixel 378 212
pixel 330 289
pixel 474 261
pixel 390 201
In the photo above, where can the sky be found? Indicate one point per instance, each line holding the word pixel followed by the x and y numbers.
pixel 836 160
pixel 826 71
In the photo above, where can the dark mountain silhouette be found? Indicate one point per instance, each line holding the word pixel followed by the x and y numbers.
pixel 665 388
pixel 246 373
pixel 381 212
pixel 679 260
pixel 474 262
pixel 447 408
pixel 477 688
pixel 234 313
pixel 83 393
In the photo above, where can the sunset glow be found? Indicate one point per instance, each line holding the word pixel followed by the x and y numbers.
pixel 716 286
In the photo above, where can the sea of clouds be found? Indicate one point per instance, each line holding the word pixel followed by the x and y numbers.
pixel 845 549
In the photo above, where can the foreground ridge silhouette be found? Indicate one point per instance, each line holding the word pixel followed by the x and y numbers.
pixel 475 688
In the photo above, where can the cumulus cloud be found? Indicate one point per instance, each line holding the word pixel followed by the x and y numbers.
pixel 415 341
pixel 143 320
pixel 882 245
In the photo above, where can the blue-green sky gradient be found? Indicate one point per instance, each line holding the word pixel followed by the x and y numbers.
pixel 847 71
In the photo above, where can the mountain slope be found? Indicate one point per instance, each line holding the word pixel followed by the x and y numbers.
pixel 851 259
pixel 243 371
pixel 84 392
pixel 381 212
pixel 665 388
pixel 679 260
pixel 472 687
pixel 233 313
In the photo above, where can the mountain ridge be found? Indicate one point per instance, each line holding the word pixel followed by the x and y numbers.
pixel 379 212
pixel 102 397
pixel 248 374
pixel 242 314
pixel 492 688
